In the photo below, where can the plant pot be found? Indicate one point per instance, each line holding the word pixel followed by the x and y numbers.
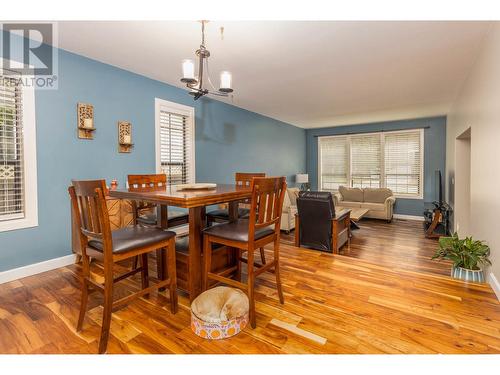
pixel 476 276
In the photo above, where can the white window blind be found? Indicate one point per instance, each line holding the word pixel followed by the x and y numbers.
pixel 403 162
pixel 11 150
pixel 175 142
pixel 365 161
pixel 390 159
pixel 334 162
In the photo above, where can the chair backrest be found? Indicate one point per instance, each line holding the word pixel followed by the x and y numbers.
pixel 316 211
pixel 89 205
pixel 245 179
pixel 266 204
pixel 147 182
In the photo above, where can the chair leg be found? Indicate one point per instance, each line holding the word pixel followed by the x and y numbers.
pixel 251 281
pixel 85 293
pixel 170 265
pixel 108 308
pixel 159 264
pixel 262 255
pixel 144 272
pixel 238 264
pixel 207 254
pixel 277 269
pixel 135 262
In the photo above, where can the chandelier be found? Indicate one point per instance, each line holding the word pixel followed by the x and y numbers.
pixel 196 84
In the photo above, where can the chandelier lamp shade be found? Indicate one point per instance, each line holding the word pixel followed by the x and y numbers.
pixel 197 83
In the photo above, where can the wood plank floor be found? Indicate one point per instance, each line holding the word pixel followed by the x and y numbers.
pixel 333 304
pixel 400 244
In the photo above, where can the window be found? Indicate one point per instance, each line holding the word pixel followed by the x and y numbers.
pixel 390 159
pixel 175 142
pixel 365 161
pixel 18 192
pixel 403 163
pixel 334 160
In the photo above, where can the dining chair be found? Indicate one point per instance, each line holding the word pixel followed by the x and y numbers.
pixel 99 242
pixel 146 214
pixel 261 228
pixel 222 215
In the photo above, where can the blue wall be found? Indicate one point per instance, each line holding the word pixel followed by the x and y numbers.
pixel 434 154
pixel 228 139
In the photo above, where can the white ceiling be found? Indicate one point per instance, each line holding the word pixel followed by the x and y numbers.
pixel 310 74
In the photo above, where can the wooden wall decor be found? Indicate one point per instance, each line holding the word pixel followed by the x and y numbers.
pixel 124 136
pixel 85 121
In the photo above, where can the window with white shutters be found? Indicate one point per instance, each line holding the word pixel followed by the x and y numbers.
pixel 11 150
pixel 365 161
pixel 18 186
pixel 334 163
pixel 403 162
pixel 175 142
pixel 389 159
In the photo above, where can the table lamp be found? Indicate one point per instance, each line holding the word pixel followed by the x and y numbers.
pixel 303 179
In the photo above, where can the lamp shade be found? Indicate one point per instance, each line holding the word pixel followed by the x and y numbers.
pixel 302 178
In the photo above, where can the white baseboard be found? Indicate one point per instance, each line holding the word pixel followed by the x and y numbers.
pixel 495 285
pixel 408 217
pixel 33 269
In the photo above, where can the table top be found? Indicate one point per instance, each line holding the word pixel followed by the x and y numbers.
pixel 172 196
pixel 358 213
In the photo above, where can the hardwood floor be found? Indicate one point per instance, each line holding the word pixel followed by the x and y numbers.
pixel 400 244
pixel 333 304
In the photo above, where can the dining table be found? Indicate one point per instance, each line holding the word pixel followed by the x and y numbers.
pixel 196 201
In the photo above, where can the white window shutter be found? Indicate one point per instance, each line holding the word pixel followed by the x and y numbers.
pixel 366 161
pixel 403 162
pixel 176 142
pixel 12 202
pixel 334 162
pixel 389 159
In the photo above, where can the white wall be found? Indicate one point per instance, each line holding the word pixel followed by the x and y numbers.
pixel 478 107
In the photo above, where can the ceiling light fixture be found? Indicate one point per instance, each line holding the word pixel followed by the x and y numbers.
pixel 195 83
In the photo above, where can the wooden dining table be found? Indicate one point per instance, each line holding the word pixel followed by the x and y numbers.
pixel 195 201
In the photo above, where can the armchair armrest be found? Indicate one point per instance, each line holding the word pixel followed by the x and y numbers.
pixel 337 198
pixel 390 201
pixel 389 207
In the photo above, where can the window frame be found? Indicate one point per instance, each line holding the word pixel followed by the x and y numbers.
pixel 382 159
pixel 30 189
pixel 188 111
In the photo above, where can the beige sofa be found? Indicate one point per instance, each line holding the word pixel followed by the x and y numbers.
pixel 289 209
pixel 379 202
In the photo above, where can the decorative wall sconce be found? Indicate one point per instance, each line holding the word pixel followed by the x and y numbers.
pixel 124 136
pixel 85 121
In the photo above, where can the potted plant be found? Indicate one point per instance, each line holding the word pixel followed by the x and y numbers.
pixel 469 256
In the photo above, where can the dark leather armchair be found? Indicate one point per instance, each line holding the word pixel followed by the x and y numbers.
pixel 318 226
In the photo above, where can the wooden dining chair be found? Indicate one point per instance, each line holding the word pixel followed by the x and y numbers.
pixel 222 215
pixel 261 228
pixel 109 247
pixel 145 213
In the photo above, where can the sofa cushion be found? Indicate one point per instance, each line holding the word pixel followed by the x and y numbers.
pixel 347 204
pixel 378 195
pixel 373 206
pixel 351 194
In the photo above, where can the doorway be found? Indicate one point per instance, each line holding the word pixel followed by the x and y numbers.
pixel 462 183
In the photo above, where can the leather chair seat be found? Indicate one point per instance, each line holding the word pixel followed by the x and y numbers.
pixel 237 231
pixel 150 218
pixel 131 238
pixel 182 245
pixel 224 214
